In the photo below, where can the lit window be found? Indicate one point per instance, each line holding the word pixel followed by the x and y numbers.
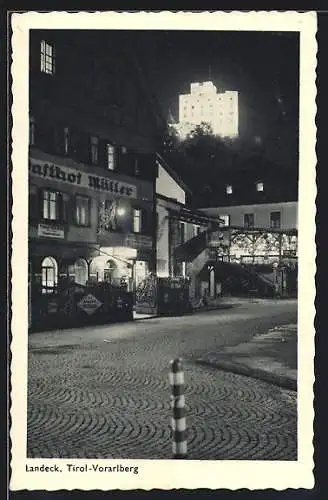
pixel 82 210
pixel 66 140
pixel 275 220
pixel 47 53
pixel 110 156
pixel 229 189
pixel 50 205
pixel 248 220
pixel 137 220
pixel 226 219
pixel 32 131
pixel 94 150
pixel 259 186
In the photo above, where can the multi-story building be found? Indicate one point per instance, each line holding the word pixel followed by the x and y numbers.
pixel 94 132
pixel 205 104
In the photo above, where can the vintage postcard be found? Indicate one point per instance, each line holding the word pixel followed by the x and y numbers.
pixel 163 250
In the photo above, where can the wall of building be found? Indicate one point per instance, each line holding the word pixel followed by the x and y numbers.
pixel 288 211
pixel 167 186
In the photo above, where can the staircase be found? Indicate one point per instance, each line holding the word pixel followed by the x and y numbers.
pixel 235 278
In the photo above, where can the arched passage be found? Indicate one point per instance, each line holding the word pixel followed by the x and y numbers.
pixel 81 271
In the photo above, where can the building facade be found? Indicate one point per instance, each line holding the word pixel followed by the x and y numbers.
pixel 94 132
pixel 205 104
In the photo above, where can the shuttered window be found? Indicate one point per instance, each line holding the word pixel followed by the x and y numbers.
pixel 82 210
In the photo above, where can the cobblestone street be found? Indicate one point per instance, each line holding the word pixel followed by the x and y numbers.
pixel 103 392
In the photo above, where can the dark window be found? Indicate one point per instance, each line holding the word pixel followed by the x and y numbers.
pixel 82 210
pixel 275 220
pixel 66 141
pixel 51 205
pixel 49 269
pixel 248 220
pixel 94 150
pixel 33 205
pixel 47 58
pixel 259 186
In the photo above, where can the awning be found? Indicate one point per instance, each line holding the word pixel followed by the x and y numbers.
pixel 63 251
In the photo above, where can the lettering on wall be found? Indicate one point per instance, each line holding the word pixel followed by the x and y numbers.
pixel 83 179
pixel 107 220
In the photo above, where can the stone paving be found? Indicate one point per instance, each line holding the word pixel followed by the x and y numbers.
pixel 109 397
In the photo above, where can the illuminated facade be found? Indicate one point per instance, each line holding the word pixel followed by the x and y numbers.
pixel 205 104
pixel 92 170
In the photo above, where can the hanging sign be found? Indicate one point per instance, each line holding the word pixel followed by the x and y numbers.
pixel 51 231
pixel 139 241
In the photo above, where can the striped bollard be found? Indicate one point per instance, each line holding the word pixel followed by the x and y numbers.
pixel 178 420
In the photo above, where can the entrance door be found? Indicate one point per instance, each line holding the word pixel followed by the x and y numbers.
pixel 140 271
pixel 49 270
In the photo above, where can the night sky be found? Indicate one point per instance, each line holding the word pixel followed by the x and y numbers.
pixel 262 66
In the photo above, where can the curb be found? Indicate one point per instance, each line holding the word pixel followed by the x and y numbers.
pixel 145 319
pixel 189 313
pixel 279 380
